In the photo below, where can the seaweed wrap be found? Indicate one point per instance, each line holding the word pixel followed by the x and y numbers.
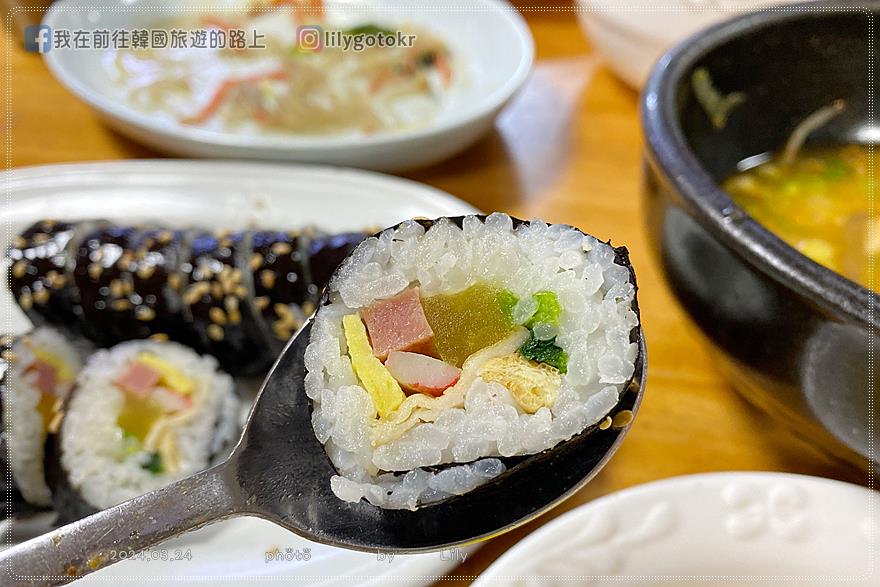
pixel 38 264
pixel 447 352
pixel 283 287
pixel 102 280
pixel 38 372
pixel 142 414
pixel 217 300
pixel 326 252
pixel 155 274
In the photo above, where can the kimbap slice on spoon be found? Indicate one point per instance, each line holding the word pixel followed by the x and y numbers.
pixel 142 414
pixel 445 352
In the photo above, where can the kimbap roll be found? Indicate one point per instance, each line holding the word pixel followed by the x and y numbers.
pixel 445 352
pixel 142 414
pixel 39 370
pixel 238 295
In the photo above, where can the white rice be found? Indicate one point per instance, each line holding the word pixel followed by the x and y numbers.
pixel 597 317
pixel 92 447
pixel 23 423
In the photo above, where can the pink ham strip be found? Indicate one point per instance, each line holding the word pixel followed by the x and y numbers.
pixel 139 379
pixel 399 324
pixel 47 376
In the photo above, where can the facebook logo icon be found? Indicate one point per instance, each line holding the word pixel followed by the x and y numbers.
pixel 38 38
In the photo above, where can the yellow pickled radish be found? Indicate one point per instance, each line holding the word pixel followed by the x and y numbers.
pixel 466 322
pixel 138 416
pixel 382 387
pixel 46 407
pixel 172 378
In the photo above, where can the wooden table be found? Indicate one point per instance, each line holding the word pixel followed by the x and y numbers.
pixel 568 150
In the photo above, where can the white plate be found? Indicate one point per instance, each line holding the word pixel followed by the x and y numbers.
pixel 730 528
pixel 490 40
pixel 230 195
pixel 632 38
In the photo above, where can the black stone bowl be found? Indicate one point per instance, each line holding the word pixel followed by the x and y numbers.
pixel 798 339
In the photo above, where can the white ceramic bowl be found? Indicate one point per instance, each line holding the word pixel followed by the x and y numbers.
pixel 744 529
pixel 632 36
pixel 491 42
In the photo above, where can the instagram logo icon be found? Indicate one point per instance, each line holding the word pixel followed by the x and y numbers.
pixel 310 38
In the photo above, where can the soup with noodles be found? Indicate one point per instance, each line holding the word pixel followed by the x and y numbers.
pixel 818 202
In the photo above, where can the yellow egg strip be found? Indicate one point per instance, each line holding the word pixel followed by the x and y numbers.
pixel 172 378
pixel 375 378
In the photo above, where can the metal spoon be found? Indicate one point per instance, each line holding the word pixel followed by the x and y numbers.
pixel 279 471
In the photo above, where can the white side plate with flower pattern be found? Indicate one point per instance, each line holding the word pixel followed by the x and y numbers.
pixel 720 528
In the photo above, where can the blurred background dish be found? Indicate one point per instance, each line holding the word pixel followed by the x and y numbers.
pixel 719 528
pixel 632 39
pixel 475 68
pixel 794 336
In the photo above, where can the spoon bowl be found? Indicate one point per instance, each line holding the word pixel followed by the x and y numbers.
pixel 284 473
pixel 279 471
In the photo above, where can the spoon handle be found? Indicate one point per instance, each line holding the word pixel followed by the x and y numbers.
pixel 122 531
